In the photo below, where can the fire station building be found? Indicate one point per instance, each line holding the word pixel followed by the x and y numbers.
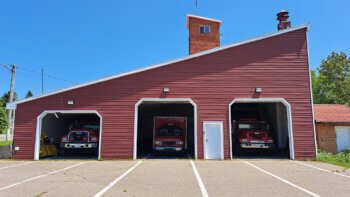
pixel 264 80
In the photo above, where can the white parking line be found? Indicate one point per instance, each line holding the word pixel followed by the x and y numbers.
pixel 16 165
pixel 281 179
pixel 200 182
pixel 116 180
pixel 33 178
pixel 343 175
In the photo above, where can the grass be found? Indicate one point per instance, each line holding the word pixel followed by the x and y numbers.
pixel 339 159
pixel 3 143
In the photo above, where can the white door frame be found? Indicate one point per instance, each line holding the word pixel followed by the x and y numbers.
pixel 221 123
pixel 266 100
pixel 39 128
pixel 165 100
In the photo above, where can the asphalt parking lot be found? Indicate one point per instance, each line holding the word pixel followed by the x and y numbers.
pixel 244 177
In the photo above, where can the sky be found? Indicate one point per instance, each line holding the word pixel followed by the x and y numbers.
pixel 82 40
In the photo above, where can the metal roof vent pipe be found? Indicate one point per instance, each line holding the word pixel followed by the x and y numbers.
pixel 282 17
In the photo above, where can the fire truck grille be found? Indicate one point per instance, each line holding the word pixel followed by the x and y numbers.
pixel 169 143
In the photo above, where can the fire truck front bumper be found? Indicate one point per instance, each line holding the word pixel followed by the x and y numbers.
pixel 72 145
pixel 256 145
pixel 168 148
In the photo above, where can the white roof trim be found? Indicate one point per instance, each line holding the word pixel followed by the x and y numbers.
pixel 242 42
pixel 205 18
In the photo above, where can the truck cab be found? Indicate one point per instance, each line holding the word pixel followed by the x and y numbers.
pixel 170 134
pixel 253 134
pixel 169 138
pixel 80 139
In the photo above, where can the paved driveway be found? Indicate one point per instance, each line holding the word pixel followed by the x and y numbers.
pixel 172 178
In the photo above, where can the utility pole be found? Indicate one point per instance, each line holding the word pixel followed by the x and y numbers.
pixel 13 70
pixel 42 80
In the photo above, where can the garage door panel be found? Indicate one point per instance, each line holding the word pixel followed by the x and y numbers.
pixel 343 138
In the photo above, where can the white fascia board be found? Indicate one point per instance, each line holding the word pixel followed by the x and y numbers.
pixel 235 44
pixel 205 18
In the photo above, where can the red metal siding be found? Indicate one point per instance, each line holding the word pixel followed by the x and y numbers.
pixel 279 65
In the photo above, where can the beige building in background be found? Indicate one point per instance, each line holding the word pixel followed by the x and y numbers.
pixel 332 127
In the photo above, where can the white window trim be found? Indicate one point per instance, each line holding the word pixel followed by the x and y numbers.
pixel 221 123
pixel 165 100
pixel 266 100
pixel 204 29
pixel 39 128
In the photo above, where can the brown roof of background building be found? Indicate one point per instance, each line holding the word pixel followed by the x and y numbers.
pixel 332 113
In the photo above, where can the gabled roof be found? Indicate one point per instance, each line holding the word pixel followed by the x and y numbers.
pixel 235 44
pixel 328 113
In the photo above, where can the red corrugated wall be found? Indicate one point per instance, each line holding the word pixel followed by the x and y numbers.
pixel 279 65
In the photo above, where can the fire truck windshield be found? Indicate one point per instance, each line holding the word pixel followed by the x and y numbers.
pixel 251 126
pixel 166 131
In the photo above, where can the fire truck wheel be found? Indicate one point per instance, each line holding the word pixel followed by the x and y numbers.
pixel 62 152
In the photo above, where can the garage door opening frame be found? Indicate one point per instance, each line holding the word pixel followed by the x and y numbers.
pixel 39 127
pixel 165 100
pixel 265 100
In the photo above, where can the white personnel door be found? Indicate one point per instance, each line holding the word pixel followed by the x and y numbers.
pixel 213 140
pixel 343 138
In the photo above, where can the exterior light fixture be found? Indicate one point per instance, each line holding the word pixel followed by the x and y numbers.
pixel 166 89
pixel 258 89
pixel 70 102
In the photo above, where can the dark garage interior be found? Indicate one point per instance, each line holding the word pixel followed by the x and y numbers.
pixel 58 125
pixel 145 134
pixel 269 119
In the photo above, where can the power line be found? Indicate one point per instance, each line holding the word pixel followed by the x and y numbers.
pixel 5 67
pixel 27 75
pixel 39 73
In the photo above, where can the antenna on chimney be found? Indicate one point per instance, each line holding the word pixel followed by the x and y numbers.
pixel 196 7
pixel 283 16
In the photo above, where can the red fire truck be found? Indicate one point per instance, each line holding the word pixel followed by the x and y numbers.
pixel 170 134
pixel 80 137
pixel 252 134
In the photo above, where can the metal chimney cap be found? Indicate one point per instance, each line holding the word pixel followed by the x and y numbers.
pixel 283 13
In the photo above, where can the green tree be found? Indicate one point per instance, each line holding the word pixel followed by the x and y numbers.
pixel 315 87
pixel 6 98
pixel 3 117
pixel 333 81
pixel 29 94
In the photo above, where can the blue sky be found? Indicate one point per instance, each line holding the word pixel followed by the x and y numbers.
pixel 83 40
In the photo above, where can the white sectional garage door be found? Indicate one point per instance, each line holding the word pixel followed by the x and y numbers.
pixel 343 138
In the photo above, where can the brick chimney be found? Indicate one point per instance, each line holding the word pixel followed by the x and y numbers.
pixel 282 17
pixel 204 33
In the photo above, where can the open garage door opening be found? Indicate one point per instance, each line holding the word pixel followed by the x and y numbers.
pixel 165 130
pixel 69 135
pixel 260 129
